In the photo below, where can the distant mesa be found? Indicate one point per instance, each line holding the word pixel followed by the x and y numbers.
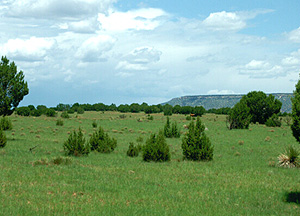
pixel 220 101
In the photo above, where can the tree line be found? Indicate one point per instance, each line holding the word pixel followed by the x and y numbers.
pixel 167 109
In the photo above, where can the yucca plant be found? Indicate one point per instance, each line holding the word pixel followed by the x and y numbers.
pixel 290 158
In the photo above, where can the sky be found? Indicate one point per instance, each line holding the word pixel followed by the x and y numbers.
pixel 130 51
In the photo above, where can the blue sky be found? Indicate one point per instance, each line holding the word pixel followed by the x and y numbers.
pixel 110 51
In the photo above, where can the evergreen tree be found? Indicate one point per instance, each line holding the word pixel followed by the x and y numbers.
pixel 196 145
pixel 296 112
pixel 13 88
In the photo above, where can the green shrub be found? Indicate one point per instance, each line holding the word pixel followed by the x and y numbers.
pixel 59 122
pixel 296 112
pixel 167 129
pixel 50 112
pixel 171 131
pixel 101 142
pixel 71 111
pixel 175 131
pixel 61 160
pixel 3 139
pixel 76 144
pixel 36 113
pixel 273 121
pixel 80 110
pixel 65 115
pixel 188 118
pixel 150 117
pixel 122 116
pixel 5 124
pixel 156 148
pixel 132 151
pixel 239 116
pixel 196 145
pixel 140 139
pixel 94 124
pixel 23 111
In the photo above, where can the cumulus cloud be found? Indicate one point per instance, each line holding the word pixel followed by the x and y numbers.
pixel 143 55
pixel 224 21
pixel 141 19
pixel 56 8
pixel 294 35
pixel 82 26
pixel 32 49
pixel 262 69
pixel 139 59
pixel 95 48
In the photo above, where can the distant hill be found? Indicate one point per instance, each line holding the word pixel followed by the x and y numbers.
pixel 219 101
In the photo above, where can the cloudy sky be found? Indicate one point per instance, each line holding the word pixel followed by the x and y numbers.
pixel 125 51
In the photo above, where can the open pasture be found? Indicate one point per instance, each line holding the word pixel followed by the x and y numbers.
pixel 242 179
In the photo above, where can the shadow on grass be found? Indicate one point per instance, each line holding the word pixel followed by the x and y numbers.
pixel 293 197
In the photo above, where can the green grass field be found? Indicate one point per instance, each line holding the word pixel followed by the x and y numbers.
pixel 242 179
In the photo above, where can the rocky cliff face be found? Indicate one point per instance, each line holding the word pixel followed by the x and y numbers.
pixel 219 101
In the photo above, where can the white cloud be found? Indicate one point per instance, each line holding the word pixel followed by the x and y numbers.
pixel 257 65
pixel 82 26
pixel 224 21
pixel 143 55
pixel 32 49
pixel 141 19
pixel 294 35
pixel 221 92
pixel 262 69
pixel 56 8
pixel 95 48
pixel 291 61
pixel 139 59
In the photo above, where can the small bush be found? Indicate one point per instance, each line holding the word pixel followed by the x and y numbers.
pixel 239 116
pixel 290 158
pixel 175 131
pixel 156 148
pixel 61 160
pixel 5 124
pixel 76 144
pixel 55 161
pixel 59 122
pixel 80 110
pixel 3 139
pixel 65 115
pixel 36 113
pixel 171 130
pixel 23 111
pixel 101 142
pixel 150 117
pixel 94 124
pixel 71 111
pixel 50 112
pixel 188 118
pixel 167 129
pixel 196 145
pixel 122 116
pixel 140 139
pixel 132 151
pixel 273 121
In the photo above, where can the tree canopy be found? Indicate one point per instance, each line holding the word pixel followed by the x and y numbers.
pixel 296 112
pixel 13 88
pixel 254 107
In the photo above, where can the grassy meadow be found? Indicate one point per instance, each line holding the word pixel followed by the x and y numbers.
pixel 242 179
